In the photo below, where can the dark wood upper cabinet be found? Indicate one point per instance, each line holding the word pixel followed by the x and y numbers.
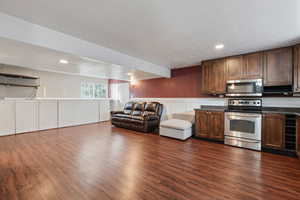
pixel 234 67
pixel 218 72
pixel 273 131
pixel 252 66
pixel 205 77
pixel 210 125
pixel 249 66
pixel 275 67
pixel 278 68
pixel 297 68
pixel 213 77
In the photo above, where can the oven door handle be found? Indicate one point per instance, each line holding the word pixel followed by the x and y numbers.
pixel 235 114
pixel 243 140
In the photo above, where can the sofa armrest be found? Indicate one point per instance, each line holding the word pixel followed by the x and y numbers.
pixel 151 117
pixel 116 112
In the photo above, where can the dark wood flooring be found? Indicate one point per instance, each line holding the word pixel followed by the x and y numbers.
pixel 99 162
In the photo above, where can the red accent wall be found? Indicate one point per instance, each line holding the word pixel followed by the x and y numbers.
pixel 184 83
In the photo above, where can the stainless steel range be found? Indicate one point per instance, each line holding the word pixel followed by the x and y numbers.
pixel 243 122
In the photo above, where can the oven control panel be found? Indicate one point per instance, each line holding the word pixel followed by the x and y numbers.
pixel 245 102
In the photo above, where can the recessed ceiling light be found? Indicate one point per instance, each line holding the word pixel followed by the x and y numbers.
pixel 62 61
pixel 219 46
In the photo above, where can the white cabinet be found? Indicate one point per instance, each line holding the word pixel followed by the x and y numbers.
pixel 76 112
pixel 104 110
pixel 20 116
pixel 26 116
pixel 7 118
pixel 48 114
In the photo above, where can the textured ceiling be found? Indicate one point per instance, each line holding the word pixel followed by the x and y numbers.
pixel 169 33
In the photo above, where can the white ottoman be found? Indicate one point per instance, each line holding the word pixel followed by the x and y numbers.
pixel 176 128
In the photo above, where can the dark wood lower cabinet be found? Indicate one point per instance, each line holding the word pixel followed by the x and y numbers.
pixel 210 125
pixel 273 131
pixel 298 136
pixel 202 124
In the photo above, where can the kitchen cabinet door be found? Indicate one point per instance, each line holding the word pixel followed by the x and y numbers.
pixel 298 136
pixel 273 131
pixel 219 73
pixel 27 116
pixel 205 77
pixel 7 118
pixel 234 68
pixel 217 125
pixel 202 124
pixel 210 125
pixel 253 66
pixel 278 68
pixel 297 69
pixel 213 77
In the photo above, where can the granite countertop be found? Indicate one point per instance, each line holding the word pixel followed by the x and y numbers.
pixel 212 108
pixel 281 110
pixel 275 110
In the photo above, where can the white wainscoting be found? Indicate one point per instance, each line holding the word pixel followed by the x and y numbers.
pixel 48 114
pixel 177 105
pixel 76 112
pixel 282 102
pixel 7 117
pixel 20 116
pixel 104 111
pixel 27 116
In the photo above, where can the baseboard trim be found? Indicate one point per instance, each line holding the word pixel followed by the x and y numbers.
pixel 280 152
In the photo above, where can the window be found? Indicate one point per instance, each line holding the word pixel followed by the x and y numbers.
pixel 93 90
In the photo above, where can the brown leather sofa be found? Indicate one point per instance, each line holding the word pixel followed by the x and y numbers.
pixel 138 116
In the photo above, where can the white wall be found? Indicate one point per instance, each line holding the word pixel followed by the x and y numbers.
pixel 53 85
pixel 282 102
pixel 120 94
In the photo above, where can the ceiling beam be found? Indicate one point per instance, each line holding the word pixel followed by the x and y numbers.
pixel 17 29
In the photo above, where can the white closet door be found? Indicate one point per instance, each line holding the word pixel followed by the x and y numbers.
pixel 77 112
pixel 26 116
pixel 48 116
pixel 104 110
pixel 7 118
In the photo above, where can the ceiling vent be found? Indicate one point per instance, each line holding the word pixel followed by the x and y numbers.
pixel 19 80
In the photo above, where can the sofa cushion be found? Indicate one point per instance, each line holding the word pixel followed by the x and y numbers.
pixel 150 108
pixel 122 116
pixel 138 109
pixel 122 120
pixel 137 117
pixel 128 107
pixel 137 121
pixel 176 124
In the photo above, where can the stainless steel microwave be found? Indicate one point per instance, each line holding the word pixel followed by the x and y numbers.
pixel 251 87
